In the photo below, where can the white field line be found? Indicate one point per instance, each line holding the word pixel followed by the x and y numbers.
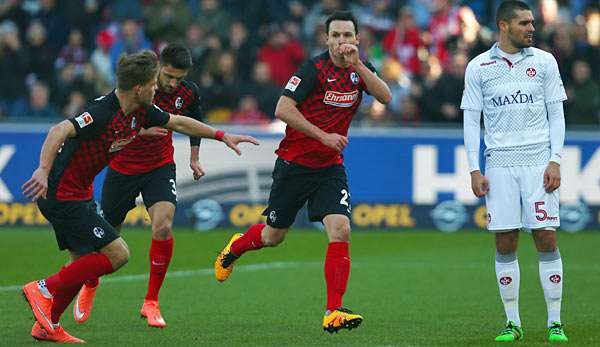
pixel 291 264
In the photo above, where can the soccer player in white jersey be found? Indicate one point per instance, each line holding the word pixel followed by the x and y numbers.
pixel 519 90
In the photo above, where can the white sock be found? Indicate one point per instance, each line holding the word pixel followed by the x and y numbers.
pixel 509 277
pixel 551 277
pixel 43 289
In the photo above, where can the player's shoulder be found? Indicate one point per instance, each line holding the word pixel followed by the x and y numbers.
pixel 104 105
pixel 543 55
pixel 319 60
pixel 481 60
pixel 191 86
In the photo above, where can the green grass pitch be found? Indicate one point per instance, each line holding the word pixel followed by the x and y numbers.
pixel 413 288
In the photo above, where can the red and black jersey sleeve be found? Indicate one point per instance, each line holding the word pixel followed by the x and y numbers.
pixel 93 121
pixel 302 82
pixel 195 110
pixel 155 117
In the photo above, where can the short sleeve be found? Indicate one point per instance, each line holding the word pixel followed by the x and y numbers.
pixel 472 98
pixel 362 81
pixel 89 124
pixel 554 91
pixel 156 117
pixel 302 82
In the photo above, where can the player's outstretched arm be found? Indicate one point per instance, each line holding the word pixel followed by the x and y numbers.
pixel 192 127
pixel 287 111
pixel 197 169
pixel 37 185
pixel 376 86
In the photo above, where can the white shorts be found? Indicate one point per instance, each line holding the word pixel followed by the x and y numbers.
pixel 517 199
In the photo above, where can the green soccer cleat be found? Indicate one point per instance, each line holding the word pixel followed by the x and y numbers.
pixel 512 332
pixel 556 333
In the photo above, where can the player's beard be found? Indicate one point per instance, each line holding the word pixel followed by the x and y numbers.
pixel 520 44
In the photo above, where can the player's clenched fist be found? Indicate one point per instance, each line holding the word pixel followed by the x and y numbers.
pixel 335 141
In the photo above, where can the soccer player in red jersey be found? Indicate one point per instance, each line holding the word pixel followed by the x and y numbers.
pixel 317 104
pixel 74 152
pixel 146 166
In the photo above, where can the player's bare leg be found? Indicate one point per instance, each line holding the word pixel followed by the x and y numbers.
pixel 551 278
pixel 256 237
pixel 161 251
pixel 508 278
pixel 84 302
pixel 337 271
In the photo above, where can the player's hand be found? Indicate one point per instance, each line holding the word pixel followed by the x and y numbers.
pixel 350 53
pixel 232 140
pixel 197 170
pixel 154 131
pixel 479 184
pixel 552 177
pixel 37 186
pixel 335 141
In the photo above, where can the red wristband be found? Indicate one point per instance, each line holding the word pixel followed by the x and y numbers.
pixel 219 135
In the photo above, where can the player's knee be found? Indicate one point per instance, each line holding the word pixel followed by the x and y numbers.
pixel 119 256
pixel 341 233
pixel 162 230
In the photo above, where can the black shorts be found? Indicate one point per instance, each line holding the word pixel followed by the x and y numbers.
pixel 120 191
pixel 77 225
pixel 326 191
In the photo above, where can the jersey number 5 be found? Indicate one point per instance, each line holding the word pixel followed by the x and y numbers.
pixel 540 214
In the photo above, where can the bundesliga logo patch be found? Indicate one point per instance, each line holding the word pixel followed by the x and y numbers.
pixel 84 119
pixel 293 83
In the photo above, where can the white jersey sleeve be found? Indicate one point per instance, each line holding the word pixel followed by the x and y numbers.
pixel 472 98
pixel 554 91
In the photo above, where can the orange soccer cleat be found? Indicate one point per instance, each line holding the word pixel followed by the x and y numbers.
pixel 341 318
pixel 40 305
pixel 151 311
pixel 225 259
pixel 59 335
pixel 84 303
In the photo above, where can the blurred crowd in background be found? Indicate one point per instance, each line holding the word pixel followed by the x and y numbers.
pixel 55 55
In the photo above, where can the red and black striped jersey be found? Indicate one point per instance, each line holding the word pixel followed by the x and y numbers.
pixel 328 97
pixel 147 153
pixel 101 131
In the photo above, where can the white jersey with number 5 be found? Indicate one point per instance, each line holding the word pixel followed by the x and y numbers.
pixel 513 97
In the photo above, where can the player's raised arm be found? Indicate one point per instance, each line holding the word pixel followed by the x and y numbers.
pixel 192 127
pixel 287 111
pixel 37 185
pixel 375 85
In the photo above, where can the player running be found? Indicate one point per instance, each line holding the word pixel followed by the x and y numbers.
pixel 521 94
pixel 317 104
pixel 146 166
pixel 74 152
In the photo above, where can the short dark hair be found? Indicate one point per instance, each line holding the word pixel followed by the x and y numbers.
pixel 506 10
pixel 341 15
pixel 136 68
pixel 177 55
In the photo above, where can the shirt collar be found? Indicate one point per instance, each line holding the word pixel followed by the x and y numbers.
pixel 495 51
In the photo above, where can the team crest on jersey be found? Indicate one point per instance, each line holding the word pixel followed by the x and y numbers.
pixel 338 99
pixel 506 280
pixel 99 232
pixel 293 83
pixel 354 77
pixel 133 123
pixel 178 102
pixel 531 72
pixel 272 216
pixel 84 119
pixel 555 278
